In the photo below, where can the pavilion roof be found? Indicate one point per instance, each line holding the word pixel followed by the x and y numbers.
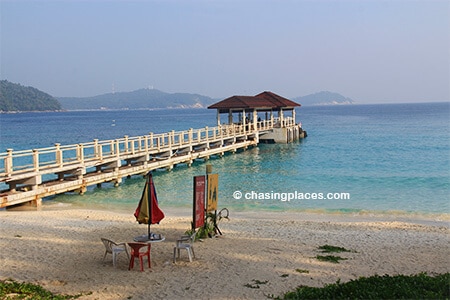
pixel 263 101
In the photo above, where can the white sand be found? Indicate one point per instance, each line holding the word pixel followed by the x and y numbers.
pixel 61 250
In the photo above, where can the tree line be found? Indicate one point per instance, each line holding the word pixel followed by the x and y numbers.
pixel 15 97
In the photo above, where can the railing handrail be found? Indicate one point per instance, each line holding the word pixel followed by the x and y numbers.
pixel 57 155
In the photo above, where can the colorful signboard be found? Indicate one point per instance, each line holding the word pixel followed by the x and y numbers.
pixel 199 201
pixel 212 192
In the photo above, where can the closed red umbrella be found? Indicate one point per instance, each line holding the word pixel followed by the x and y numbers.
pixel 148 211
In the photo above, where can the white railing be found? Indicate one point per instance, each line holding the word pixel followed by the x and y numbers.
pixel 47 160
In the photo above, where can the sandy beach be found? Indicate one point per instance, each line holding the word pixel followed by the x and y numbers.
pixel 258 254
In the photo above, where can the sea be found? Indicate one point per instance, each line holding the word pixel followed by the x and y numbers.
pixel 389 159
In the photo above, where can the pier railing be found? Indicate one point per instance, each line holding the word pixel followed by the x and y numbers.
pixel 28 176
pixel 46 160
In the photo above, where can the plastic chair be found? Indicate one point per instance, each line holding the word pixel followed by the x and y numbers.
pixel 137 253
pixel 115 249
pixel 185 242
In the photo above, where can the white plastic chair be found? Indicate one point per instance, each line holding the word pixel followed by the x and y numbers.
pixel 185 242
pixel 115 249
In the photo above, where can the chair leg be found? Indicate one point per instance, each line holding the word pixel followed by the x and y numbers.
pixel 189 254
pixel 193 253
pixel 174 253
pixel 114 255
pixel 131 263
pixel 141 261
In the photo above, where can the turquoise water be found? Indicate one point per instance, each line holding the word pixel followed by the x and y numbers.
pixel 375 158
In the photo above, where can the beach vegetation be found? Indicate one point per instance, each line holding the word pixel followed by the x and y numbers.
pixel 330 258
pixel 12 290
pixel 419 286
pixel 302 271
pixel 333 249
pixel 256 284
pixel 210 229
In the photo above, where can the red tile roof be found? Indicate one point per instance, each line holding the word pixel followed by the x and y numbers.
pixel 264 100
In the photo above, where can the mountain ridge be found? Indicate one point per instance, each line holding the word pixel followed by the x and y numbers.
pixel 323 98
pixel 137 99
pixel 17 98
pixel 154 99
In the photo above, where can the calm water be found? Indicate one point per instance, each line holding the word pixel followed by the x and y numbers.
pixel 389 158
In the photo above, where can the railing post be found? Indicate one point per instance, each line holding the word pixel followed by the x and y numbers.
pixel 36 160
pixel 9 162
pixel 146 143
pixel 80 153
pixel 96 150
pixel 169 139
pixel 125 142
pixel 117 148
pixel 151 140
pixel 133 146
pixel 58 155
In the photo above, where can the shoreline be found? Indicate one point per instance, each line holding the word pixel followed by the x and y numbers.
pixel 61 250
pixel 424 218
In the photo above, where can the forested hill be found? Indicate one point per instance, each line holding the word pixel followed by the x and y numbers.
pixel 138 99
pixel 16 97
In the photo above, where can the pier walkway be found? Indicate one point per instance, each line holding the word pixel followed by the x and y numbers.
pixel 27 176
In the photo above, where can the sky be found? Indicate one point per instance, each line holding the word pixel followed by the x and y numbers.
pixel 370 51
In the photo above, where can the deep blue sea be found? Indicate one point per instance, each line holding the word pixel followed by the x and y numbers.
pixel 384 158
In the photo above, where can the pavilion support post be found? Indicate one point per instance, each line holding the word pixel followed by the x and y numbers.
pixel 280 114
pixel 244 119
pixel 255 119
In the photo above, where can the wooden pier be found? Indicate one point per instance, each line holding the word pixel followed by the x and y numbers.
pixel 27 176
pixel 30 175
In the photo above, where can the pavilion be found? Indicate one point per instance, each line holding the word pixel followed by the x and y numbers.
pixel 256 112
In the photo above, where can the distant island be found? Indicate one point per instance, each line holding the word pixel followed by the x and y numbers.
pixel 139 99
pixel 153 98
pixel 323 98
pixel 15 97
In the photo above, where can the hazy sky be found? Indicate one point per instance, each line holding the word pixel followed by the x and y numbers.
pixel 370 51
